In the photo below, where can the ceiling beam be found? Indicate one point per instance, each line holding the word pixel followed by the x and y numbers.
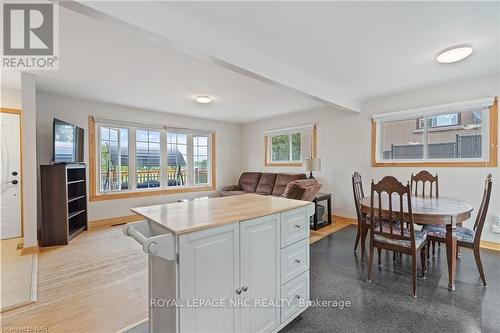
pixel 157 22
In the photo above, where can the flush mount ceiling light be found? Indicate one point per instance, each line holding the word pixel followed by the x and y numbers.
pixel 454 54
pixel 203 99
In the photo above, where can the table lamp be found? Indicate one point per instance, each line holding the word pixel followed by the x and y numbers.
pixel 312 164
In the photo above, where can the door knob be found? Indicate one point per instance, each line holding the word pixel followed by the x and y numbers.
pixel 244 288
pixel 238 291
pixel 15 181
pixel 297 261
pixel 14 173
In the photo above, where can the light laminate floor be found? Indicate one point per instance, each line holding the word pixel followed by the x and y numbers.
pixel 97 283
pixel 17 275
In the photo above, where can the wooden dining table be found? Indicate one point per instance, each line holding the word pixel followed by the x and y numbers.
pixel 428 210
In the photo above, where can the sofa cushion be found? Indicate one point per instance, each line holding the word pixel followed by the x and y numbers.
pixel 249 181
pixel 226 193
pixel 266 183
pixel 309 188
pixel 282 181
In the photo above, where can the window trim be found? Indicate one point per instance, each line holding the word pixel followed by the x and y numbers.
pixel 267 158
pixel 96 196
pixel 490 162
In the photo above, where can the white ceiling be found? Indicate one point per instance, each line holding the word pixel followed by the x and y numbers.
pixel 368 49
pixel 358 49
pixel 102 62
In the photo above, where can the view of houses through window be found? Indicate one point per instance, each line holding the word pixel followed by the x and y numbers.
pixel 450 136
pixel 184 161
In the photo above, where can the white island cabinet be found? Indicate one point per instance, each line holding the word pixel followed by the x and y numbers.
pixel 233 264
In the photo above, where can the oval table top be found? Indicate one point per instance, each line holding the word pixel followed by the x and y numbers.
pixel 426 210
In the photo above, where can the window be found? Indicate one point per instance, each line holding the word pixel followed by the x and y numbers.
pixel 113 153
pixel 147 153
pixel 466 136
pixel 200 159
pixel 161 160
pixel 177 167
pixel 289 146
pixel 451 119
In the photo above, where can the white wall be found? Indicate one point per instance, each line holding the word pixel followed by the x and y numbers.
pixel 28 92
pixel 10 98
pixel 76 111
pixel 343 144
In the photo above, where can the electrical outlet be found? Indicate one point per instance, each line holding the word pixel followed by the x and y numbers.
pixel 495 227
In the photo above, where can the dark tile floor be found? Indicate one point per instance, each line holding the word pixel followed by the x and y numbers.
pixel 386 304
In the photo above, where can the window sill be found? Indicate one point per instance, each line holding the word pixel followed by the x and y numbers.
pixel 458 164
pixel 284 164
pixel 147 193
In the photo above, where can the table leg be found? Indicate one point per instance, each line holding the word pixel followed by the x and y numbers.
pixel 329 201
pixel 459 255
pixel 315 225
pixel 362 237
pixel 451 251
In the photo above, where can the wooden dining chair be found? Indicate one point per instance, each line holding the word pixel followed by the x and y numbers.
pixel 388 229
pixel 468 238
pixel 357 189
pixel 422 178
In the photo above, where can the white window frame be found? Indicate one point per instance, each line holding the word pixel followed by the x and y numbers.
pixel 132 128
pixel 290 131
pixel 290 148
pixel 482 105
pixel 98 161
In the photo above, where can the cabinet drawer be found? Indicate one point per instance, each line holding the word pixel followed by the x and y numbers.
pixel 294 226
pixel 294 291
pixel 294 260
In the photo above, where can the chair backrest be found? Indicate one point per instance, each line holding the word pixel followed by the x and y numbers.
pixel 483 210
pixel 394 211
pixel 424 177
pixel 357 189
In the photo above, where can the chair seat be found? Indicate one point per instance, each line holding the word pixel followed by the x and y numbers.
pixel 420 236
pixel 463 234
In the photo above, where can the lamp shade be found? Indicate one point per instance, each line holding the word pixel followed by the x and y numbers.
pixel 312 164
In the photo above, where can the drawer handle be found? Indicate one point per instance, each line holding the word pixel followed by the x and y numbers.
pixel 297 261
pixel 244 288
pixel 297 296
pixel 238 291
pixel 297 226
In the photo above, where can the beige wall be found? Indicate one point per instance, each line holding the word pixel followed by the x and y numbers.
pixel 76 111
pixel 343 144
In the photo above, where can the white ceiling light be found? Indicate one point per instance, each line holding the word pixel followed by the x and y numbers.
pixel 203 99
pixel 454 54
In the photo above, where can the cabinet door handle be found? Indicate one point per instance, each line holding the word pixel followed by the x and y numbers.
pixel 297 226
pixel 297 296
pixel 244 288
pixel 297 261
pixel 238 291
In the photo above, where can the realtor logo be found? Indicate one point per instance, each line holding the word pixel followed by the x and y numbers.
pixel 29 36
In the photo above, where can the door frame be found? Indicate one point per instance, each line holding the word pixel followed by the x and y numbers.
pixel 20 114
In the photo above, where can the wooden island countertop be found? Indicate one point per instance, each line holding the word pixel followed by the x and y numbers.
pixel 184 217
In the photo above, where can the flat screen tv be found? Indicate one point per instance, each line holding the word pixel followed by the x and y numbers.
pixel 68 142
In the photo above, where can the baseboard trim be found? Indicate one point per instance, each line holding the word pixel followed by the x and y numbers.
pixel 490 245
pixel 113 221
pixel 337 218
pixel 30 250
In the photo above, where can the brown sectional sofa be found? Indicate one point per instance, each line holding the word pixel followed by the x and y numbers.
pixel 293 186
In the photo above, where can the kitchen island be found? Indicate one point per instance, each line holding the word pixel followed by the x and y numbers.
pixel 227 264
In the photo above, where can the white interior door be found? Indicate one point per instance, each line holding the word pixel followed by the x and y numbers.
pixel 10 169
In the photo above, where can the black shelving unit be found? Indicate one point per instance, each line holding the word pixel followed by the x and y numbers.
pixel 64 203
